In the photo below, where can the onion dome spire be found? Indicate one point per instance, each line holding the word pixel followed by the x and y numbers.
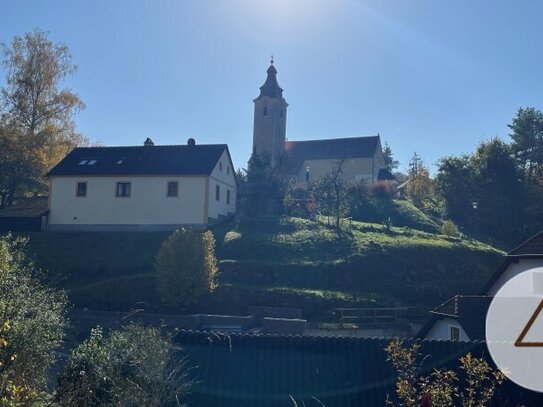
pixel 271 87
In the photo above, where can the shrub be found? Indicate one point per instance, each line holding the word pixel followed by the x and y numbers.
pixel 186 267
pixel 382 190
pixel 135 366
pixel 32 321
pixel 449 229
pixel 295 202
pixel 476 386
pixel 359 203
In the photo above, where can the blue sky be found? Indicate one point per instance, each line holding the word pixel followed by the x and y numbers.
pixel 435 77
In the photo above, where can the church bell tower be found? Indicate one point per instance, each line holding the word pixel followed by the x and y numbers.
pixel 270 118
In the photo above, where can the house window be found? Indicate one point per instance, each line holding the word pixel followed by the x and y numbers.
pixel 281 114
pixel 220 166
pixel 228 196
pixel 81 189
pixel 217 192
pixel 173 189
pixel 228 169
pixel 265 111
pixel 123 190
pixel 454 333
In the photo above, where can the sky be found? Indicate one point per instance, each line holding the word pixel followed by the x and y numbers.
pixel 435 77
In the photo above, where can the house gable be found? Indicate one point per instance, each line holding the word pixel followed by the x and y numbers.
pixel 527 255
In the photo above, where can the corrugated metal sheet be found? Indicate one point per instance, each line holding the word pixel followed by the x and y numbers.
pixel 266 370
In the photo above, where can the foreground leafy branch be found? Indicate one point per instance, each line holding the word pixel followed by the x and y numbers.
pixel 475 386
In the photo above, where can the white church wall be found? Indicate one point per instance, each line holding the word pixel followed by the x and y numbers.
pixel 354 169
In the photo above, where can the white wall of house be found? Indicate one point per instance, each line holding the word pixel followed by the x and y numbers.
pixel 222 176
pixel 442 327
pixel 513 270
pixel 148 204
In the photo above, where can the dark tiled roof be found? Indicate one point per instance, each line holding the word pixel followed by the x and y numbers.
pixel 469 310
pixel 26 208
pixel 533 246
pixel 299 151
pixel 199 159
pixel 266 370
pixel 271 87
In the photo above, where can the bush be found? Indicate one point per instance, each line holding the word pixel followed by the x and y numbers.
pixel 358 200
pixel 295 202
pixel 186 267
pixel 473 384
pixel 32 321
pixel 382 190
pixel 135 366
pixel 449 229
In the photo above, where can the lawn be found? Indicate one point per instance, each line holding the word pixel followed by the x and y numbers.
pixel 275 261
pixel 400 266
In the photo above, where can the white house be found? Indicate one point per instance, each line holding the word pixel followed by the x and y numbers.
pixel 527 256
pixel 460 319
pixel 142 187
pixel 463 318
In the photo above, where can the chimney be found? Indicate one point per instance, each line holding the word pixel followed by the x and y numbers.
pixel 148 142
pixel 191 142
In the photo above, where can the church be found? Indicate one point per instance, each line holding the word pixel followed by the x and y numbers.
pixel 362 156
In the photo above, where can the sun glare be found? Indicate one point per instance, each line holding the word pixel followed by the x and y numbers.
pixel 283 18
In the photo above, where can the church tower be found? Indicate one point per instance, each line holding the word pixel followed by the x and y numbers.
pixel 270 119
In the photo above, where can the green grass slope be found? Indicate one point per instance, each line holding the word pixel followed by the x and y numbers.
pixel 277 261
pixel 401 266
pixel 401 213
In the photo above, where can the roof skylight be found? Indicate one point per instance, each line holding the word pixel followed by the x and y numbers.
pixel 82 162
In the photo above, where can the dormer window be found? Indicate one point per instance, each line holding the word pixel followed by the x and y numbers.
pixel 265 111
pixel 88 161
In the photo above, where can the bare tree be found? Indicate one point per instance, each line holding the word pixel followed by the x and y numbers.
pixel 338 187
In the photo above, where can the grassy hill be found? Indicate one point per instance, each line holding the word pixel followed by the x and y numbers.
pixel 402 266
pixel 277 261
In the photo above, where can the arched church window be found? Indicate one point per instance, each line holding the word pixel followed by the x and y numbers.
pixel 265 111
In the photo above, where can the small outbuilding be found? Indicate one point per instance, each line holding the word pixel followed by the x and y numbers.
pixel 25 215
pixel 460 319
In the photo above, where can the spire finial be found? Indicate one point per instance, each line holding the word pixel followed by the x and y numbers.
pixel 271 61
